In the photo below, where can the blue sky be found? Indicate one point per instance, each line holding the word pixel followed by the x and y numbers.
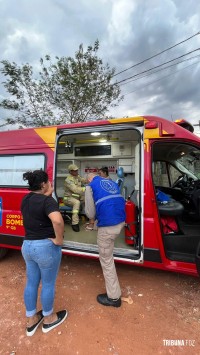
pixel 129 31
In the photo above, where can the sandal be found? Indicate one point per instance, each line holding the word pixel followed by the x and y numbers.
pixel 89 227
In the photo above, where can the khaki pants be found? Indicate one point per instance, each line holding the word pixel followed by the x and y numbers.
pixel 105 240
pixel 75 204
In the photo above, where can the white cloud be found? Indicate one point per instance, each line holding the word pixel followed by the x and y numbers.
pixel 23 40
pixel 120 25
pixel 129 31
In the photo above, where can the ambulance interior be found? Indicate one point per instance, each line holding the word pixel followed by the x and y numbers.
pixel 90 151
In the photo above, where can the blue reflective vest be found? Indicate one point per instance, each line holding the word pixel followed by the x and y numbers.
pixel 109 203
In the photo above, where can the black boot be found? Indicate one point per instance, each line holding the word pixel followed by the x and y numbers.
pixel 75 227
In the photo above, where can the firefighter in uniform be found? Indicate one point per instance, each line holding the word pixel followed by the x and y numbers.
pixel 74 193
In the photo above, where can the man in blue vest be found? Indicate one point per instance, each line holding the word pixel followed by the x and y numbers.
pixel 104 202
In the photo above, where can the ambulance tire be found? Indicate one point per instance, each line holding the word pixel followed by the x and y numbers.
pixel 3 252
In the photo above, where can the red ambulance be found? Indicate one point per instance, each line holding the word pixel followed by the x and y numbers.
pixel 157 165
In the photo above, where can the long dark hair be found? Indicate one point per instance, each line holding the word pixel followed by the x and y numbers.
pixel 35 179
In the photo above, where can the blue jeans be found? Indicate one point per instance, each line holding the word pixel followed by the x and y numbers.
pixel 42 258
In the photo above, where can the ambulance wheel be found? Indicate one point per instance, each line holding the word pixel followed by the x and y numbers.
pixel 3 252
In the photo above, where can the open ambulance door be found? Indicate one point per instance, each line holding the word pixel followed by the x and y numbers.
pixel 119 147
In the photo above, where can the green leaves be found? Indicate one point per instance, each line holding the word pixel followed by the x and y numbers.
pixel 67 90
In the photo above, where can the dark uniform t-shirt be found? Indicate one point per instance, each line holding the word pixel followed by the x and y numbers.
pixel 35 210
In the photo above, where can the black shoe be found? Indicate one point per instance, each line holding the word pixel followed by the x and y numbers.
pixel 75 227
pixel 106 301
pixel 31 330
pixel 62 315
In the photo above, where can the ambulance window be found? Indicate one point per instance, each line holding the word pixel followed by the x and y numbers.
pixel 173 161
pixel 160 175
pixel 174 174
pixel 12 168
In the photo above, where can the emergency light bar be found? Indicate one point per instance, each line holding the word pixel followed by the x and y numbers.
pixel 185 124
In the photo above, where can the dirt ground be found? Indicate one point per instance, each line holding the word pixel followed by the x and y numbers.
pixel 163 319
